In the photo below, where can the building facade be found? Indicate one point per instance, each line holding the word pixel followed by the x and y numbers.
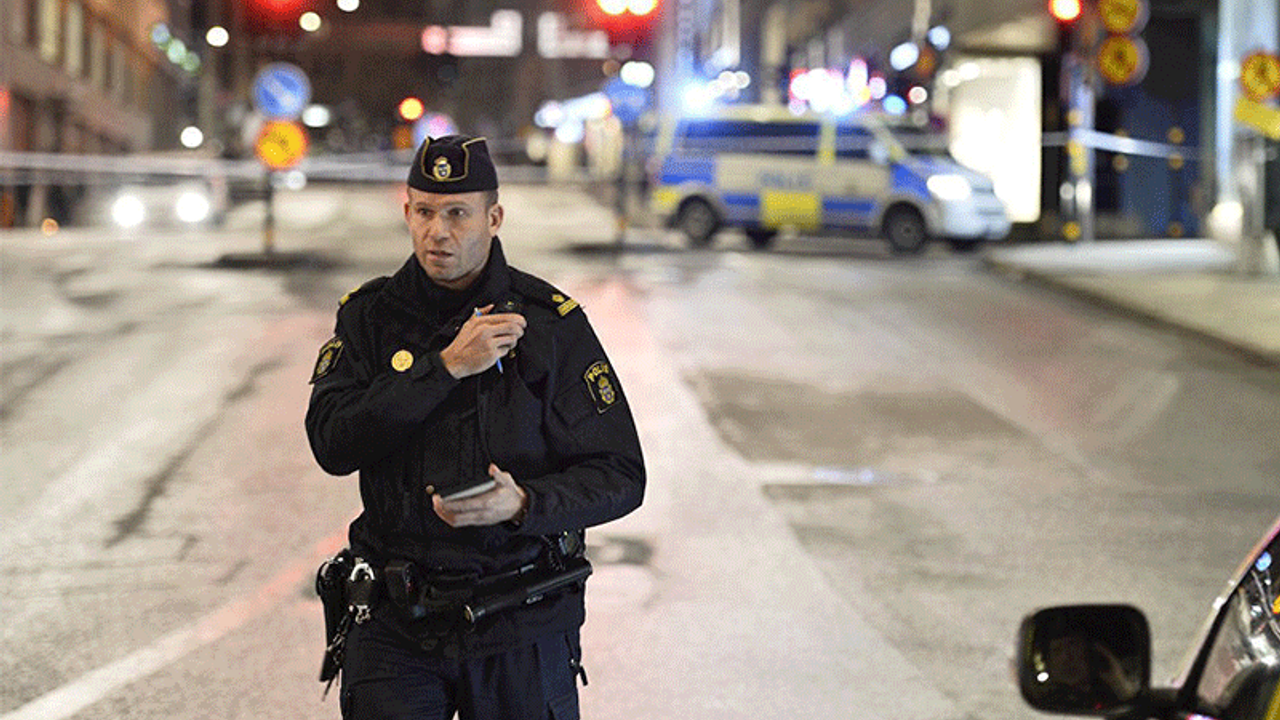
pixel 79 76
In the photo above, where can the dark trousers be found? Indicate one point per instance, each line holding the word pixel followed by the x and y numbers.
pixel 386 677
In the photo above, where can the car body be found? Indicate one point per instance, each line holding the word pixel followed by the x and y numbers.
pixel 1096 659
pixel 183 189
pixel 763 168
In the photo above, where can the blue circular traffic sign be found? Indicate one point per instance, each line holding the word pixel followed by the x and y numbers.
pixel 281 90
pixel 629 102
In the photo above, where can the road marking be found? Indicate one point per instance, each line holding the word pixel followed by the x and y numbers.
pixel 96 685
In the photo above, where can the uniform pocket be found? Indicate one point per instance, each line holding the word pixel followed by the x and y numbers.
pixel 573 405
pixel 560 657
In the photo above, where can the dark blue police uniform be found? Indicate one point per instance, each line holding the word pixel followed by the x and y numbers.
pixel 554 416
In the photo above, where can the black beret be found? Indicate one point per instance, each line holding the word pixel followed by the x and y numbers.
pixel 453 164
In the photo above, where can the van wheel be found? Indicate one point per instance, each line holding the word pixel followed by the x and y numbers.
pixel 698 221
pixel 904 229
pixel 761 238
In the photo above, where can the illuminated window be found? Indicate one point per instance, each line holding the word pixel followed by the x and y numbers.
pixel 50 25
pixel 73 49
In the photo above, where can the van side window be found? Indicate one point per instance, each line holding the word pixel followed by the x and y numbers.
pixel 853 143
pixel 723 136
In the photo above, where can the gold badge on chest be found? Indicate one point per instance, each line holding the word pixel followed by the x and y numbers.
pixel 402 360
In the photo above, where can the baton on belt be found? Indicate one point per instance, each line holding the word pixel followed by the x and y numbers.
pixel 528 595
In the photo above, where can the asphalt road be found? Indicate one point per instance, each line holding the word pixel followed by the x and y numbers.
pixel 864 469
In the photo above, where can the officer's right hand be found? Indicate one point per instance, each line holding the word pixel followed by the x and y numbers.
pixel 482 340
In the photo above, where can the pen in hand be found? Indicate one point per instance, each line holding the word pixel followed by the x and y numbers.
pixel 478 314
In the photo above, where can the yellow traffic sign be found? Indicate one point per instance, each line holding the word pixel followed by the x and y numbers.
pixel 1260 76
pixel 1263 118
pixel 281 144
pixel 1123 17
pixel 1122 59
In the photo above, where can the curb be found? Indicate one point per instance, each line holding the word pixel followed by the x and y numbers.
pixel 1252 354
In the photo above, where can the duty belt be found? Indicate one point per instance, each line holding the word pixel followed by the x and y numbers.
pixel 438 606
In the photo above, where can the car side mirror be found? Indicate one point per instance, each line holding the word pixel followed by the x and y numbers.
pixel 1084 659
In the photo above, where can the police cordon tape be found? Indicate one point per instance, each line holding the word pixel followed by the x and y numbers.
pixel 1121 144
pixel 20 168
pixel 388 166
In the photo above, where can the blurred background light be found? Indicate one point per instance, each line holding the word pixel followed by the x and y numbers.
pixel 192 207
pixel 878 87
pixel 696 97
pixel 1065 10
pixel 191 137
pixel 637 73
pixel 348 5
pixel 411 108
pixel 571 132
pixel 316 116
pixel 940 37
pixel 128 211
pixel 217 36
pixel 295 180
pixel 309 21
pixel 160 34
pixel 904 56
pixel 613 7
pixel 176 50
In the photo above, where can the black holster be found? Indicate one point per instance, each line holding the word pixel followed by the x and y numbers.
pixel 347 589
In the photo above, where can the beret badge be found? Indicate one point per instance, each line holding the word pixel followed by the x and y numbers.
pixel 441 170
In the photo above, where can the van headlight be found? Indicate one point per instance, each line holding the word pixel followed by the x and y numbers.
pixel 949 187
pixel 192 207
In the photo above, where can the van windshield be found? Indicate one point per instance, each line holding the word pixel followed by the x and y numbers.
pixel 721 136
pixel 921 141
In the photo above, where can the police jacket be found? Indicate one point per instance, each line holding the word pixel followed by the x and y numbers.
pixel 554 417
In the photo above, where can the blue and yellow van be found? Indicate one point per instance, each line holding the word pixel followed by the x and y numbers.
pixel 762 168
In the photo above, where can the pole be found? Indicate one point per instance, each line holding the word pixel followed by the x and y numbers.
pixel 269 217
pixel 1079 88
pixel 620 204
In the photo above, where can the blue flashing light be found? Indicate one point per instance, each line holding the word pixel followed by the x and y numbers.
pixel 894 105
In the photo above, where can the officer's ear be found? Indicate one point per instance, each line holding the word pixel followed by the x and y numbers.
pixel 494 214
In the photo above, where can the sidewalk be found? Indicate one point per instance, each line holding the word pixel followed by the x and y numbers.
pixel 1192 285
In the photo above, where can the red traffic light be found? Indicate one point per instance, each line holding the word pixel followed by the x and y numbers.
pixel 1065 11
pixel 275 17
pixel 638 8
pixel 627 22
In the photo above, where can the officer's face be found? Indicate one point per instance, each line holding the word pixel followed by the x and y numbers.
pixel 451 234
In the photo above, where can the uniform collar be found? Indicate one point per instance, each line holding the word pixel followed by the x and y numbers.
pixel 411 289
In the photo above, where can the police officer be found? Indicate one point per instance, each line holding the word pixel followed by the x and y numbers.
pixel 488 429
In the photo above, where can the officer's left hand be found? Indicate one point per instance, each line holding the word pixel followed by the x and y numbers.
pixel 503 502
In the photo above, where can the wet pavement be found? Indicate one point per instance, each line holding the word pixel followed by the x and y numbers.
pixel 1195 286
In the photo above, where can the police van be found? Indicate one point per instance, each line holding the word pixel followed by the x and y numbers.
pixel 762 169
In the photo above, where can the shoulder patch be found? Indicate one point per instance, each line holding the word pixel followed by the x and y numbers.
pixel 600 384
pixel 370 286
pixel 329 354
pixel 540 292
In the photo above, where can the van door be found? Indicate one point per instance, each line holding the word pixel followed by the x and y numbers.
pixel 856 188
pixel 768 179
